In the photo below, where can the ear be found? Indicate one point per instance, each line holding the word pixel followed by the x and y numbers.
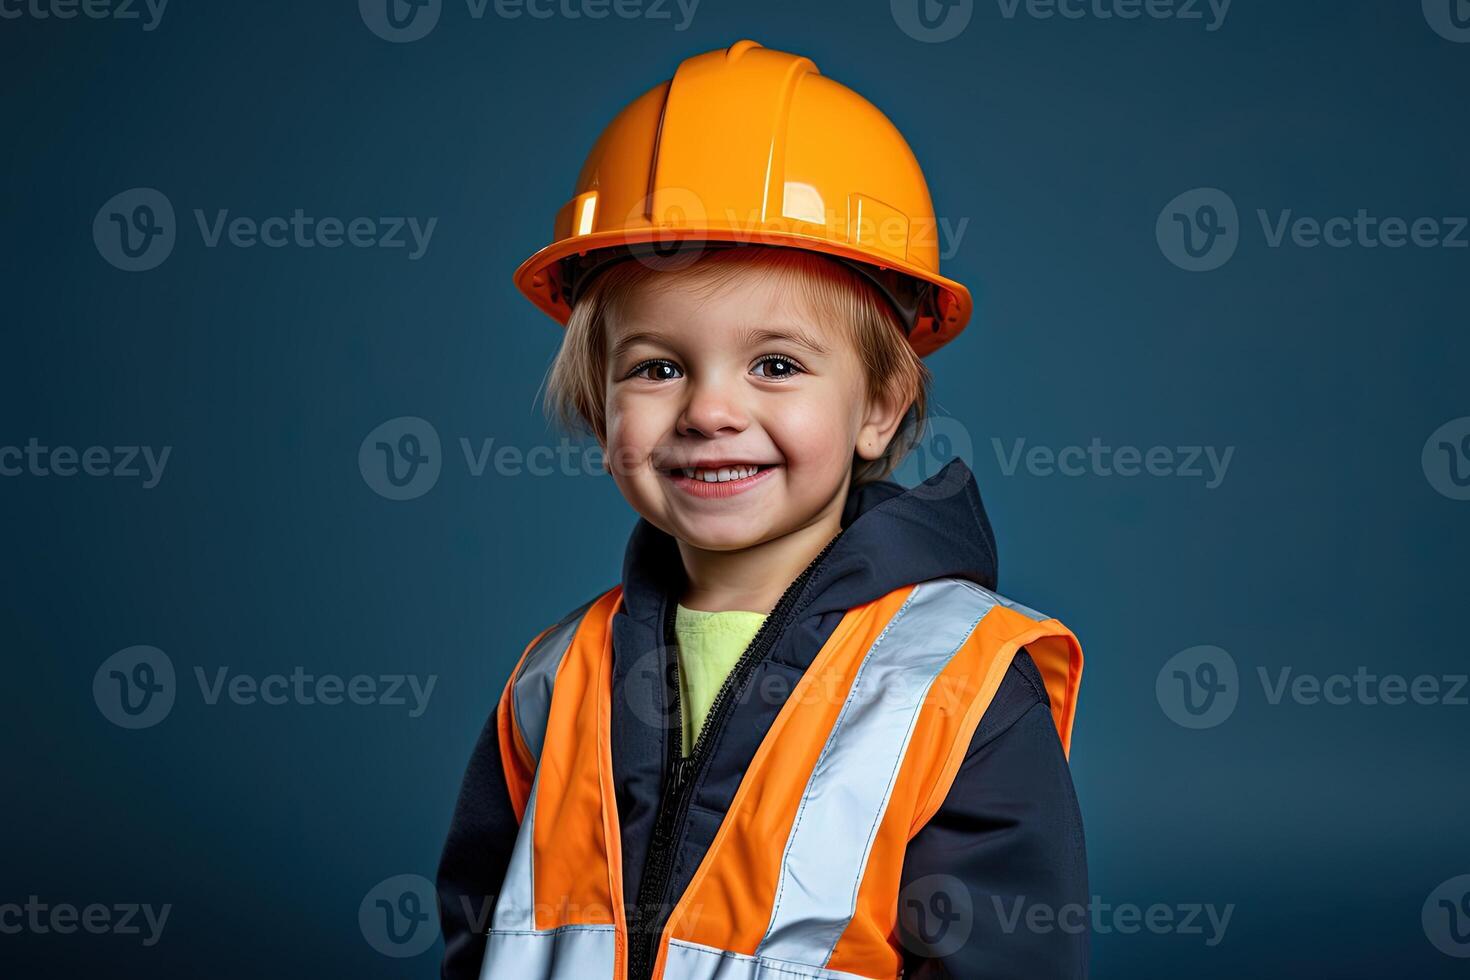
pixel 880 424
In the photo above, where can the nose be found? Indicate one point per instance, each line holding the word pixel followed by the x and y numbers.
pixel 712 407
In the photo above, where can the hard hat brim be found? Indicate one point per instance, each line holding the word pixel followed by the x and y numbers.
pixel 539 277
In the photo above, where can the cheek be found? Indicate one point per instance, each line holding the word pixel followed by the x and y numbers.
pixel 816 433
pixel 634 429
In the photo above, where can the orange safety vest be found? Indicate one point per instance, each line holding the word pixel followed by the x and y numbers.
pixel 802 878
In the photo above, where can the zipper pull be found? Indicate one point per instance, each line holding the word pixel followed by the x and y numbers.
pixel 681 772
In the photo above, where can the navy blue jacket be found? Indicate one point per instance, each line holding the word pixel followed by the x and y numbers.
pixel 1007 837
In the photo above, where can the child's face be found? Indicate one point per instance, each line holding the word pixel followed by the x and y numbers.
pixel 726 380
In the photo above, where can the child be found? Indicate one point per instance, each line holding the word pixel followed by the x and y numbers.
pixel 802 737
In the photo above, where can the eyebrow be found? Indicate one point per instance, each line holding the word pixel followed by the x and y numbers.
pixel 748 338
pixel 790 335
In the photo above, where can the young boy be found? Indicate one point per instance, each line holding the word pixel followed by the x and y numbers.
pixel 802 737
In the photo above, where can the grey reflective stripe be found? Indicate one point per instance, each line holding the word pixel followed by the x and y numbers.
pixel 515 909
pixel 531 693
pixel 848 791
pixel 568 953
pixel 692 961
pixel 1014 606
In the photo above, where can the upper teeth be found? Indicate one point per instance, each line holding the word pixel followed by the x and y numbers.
pixel 720 475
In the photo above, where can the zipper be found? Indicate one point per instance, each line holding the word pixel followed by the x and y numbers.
pixel 650 912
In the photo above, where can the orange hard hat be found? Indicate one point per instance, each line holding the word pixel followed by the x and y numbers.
pixel 747 145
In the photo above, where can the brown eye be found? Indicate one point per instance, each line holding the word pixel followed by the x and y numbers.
pixel 777 368
pixel 662 370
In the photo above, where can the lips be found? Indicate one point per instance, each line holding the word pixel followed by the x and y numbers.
pixel 724 479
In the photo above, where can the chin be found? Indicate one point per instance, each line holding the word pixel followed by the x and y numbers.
pixel 719 535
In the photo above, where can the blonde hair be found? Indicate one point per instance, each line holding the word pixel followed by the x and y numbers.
pixel 576 386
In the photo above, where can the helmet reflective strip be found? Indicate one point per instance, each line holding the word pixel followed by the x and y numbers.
pixel 533 686
pixel 849 788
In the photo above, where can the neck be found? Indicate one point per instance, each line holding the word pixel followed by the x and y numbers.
pixel 754 578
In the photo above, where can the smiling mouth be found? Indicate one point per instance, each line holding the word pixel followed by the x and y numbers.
pixel 719 474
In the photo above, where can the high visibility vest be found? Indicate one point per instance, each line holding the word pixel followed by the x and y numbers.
pixel 802 878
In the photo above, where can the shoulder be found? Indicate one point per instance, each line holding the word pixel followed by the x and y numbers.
pixel 1023 687
pixel 1021 690
pixel 547 647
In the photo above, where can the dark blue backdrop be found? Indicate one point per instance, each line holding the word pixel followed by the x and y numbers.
pixel 1327 537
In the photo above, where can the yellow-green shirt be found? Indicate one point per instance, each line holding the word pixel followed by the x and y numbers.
pixel 710 644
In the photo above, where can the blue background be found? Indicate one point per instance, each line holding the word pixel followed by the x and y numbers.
pixel 264 548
